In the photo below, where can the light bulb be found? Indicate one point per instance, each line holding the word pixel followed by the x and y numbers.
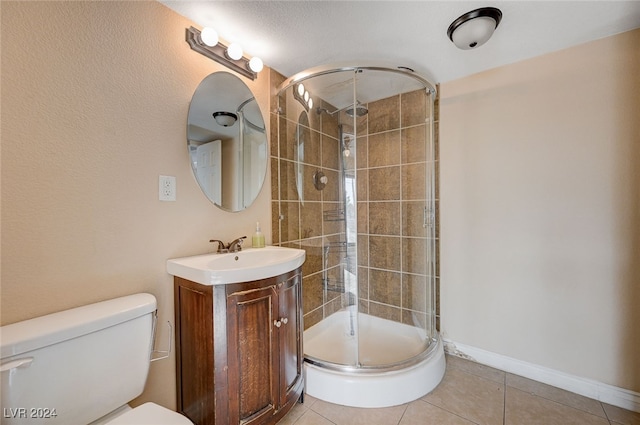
pixel 300 89
pixel 310 103
pixel 234 51
pixel 209 36
pixel 255 64
pixel 306 96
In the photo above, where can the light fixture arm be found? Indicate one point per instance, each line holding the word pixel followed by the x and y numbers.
pixel 219 54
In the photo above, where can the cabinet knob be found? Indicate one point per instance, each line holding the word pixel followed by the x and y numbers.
pixel 285 320
pixel 277 323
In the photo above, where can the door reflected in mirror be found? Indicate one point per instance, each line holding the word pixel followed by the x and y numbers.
pixel 227 141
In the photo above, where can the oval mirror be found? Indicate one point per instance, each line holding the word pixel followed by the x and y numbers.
pixel 227 141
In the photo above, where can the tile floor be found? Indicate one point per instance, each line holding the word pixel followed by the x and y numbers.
pixel 470 394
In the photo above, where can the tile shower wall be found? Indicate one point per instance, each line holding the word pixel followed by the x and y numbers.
pixel 390 151
pixel 392 243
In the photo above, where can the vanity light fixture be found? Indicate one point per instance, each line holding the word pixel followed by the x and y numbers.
pixel 474 28
pixel 206 42
pixel 225 119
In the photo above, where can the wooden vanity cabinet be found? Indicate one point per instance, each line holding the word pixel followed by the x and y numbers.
pixel 239 350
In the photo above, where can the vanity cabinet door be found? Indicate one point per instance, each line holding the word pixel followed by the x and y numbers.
pixel 239 350
pixel 252 355
pixel 290 339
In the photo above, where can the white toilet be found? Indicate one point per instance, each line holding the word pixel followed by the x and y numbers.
pixel 81 366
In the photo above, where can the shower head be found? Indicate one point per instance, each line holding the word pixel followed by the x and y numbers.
pixel 359 110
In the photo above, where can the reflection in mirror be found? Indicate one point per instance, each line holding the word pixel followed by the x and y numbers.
pixel 303 136
pixel 227 141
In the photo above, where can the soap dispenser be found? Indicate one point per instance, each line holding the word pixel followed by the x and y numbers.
pixel 258 238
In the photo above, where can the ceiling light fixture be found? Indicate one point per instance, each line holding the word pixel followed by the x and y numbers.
pixel 206 43
pixel 225 119
pixel 474 28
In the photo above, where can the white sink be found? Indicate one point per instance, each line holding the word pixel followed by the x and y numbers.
pixel 246 265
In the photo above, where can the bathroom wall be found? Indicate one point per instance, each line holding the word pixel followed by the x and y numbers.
pixel 540 210
pixel 95 98
pixel 390 149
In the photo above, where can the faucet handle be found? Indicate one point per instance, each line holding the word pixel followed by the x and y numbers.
pixel 221 246
pixel 236 244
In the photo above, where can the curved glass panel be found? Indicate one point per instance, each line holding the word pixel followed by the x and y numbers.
pixel 369 231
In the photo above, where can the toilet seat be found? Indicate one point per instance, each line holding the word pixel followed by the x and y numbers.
pixel 150 414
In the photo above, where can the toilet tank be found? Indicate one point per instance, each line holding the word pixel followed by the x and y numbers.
pixel 77 365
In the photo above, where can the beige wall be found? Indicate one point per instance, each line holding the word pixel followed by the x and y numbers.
pixel 540 210
pixel 95 98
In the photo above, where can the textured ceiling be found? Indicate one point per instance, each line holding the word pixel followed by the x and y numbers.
pixel 291 36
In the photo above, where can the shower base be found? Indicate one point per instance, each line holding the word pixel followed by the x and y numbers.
pixel 384 377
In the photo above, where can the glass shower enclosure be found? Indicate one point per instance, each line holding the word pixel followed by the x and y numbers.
pixel 355 162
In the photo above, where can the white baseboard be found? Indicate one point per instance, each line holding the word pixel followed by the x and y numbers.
pixel 606 393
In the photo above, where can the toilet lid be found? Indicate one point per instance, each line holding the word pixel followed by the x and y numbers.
pixel 151 414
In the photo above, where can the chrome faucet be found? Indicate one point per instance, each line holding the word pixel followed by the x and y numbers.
pixel 236 244
pixel 221 247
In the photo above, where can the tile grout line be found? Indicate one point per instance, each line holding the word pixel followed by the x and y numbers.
pixel 404 412
pixel 506 386
pixel 561 403
pixel 504 400
pixel 449 411
pixel 605 413
pixel 566 405
pixel 321 415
